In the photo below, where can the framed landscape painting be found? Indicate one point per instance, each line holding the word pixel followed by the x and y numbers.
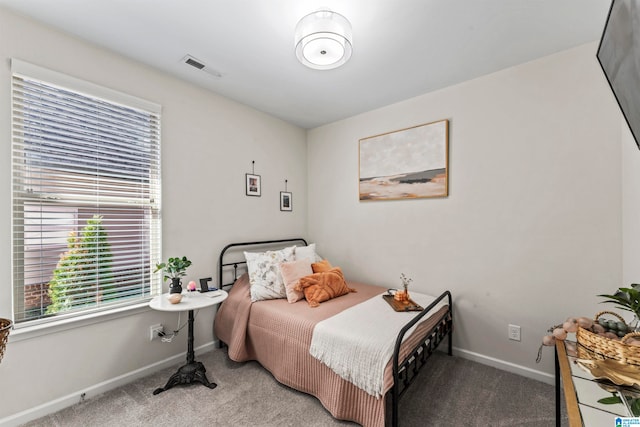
pixel 409 163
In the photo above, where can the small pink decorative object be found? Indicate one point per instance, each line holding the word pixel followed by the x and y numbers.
pixel 191 286
pixel 175 298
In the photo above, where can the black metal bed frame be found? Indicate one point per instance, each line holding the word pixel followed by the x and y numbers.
pixel 404 371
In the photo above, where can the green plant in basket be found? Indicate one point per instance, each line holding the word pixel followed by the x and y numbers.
pixel 627 299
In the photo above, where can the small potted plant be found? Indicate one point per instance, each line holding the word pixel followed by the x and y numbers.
pixel 627 299
pixel 174 269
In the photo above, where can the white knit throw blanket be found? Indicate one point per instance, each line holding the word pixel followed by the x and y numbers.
pixel 358 343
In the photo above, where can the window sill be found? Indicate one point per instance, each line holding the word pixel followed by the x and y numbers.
pixel 29 332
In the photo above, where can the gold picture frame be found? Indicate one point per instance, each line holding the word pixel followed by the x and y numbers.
pixel 410 163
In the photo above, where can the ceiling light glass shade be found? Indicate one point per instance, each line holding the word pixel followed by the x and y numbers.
pixel 323 40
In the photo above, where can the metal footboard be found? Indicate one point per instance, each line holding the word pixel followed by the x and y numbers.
pixel 405 371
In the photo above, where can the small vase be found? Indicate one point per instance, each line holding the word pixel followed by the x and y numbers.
pixel 176 286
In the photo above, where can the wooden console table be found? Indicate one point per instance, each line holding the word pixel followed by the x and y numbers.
pixel 564 376
pixel 582 393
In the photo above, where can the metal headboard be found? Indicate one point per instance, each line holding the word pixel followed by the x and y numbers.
pixel 236 264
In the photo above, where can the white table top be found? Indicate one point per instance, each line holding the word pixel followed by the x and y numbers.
pixel 190 301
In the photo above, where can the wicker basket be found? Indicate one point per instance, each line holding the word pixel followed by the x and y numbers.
pixel 596 347
pixel 5 327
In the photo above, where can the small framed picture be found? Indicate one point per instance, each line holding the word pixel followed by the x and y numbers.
pixel 253 184
pixel 285 201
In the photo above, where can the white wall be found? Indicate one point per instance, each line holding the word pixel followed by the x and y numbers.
pixel 531 230
pixel 630 208
pixel 208 144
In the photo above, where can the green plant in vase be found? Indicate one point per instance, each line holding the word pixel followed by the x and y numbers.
pixel 173 270
pixel 627 299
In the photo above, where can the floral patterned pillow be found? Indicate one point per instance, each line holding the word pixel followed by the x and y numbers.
pixel 264 273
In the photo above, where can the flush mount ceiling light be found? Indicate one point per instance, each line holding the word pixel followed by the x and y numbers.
pixel 323 40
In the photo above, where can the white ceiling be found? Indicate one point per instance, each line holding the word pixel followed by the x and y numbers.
pixel 401 48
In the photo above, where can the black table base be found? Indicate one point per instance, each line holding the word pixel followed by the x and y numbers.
pixel 187 374
pixel 191 372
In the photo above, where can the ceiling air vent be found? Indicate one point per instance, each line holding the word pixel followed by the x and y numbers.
pixel 196 63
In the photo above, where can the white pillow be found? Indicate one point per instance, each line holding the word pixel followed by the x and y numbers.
pixel 264 273
pixel 308 252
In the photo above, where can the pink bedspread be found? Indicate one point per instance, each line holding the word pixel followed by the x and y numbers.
pixel 278 335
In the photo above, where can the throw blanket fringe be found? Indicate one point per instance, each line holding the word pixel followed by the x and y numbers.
pixel 358 343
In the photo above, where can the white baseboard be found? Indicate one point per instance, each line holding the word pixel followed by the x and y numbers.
pixel 73 398
pixel 505 366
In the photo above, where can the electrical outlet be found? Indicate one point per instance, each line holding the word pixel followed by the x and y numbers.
pixel 514 332
pixel 155 331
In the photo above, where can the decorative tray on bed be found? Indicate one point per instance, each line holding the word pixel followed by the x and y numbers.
pixel 409 305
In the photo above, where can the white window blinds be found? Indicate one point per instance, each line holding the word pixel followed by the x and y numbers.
pixel 86 196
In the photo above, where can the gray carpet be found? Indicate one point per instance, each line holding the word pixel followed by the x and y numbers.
pixel 452 391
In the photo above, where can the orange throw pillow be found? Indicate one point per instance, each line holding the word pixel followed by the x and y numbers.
pixel 320 266
pixel 323 286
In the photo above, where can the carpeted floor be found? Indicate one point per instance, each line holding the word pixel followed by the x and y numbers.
pixel 452 391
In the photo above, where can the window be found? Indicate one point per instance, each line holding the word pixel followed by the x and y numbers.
pixel 85 198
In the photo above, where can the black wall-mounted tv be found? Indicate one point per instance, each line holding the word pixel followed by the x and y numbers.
pixel 619 57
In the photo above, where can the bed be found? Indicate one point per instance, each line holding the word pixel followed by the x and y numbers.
pixel 279 335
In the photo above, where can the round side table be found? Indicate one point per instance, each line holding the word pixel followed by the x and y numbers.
pixel 192 371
